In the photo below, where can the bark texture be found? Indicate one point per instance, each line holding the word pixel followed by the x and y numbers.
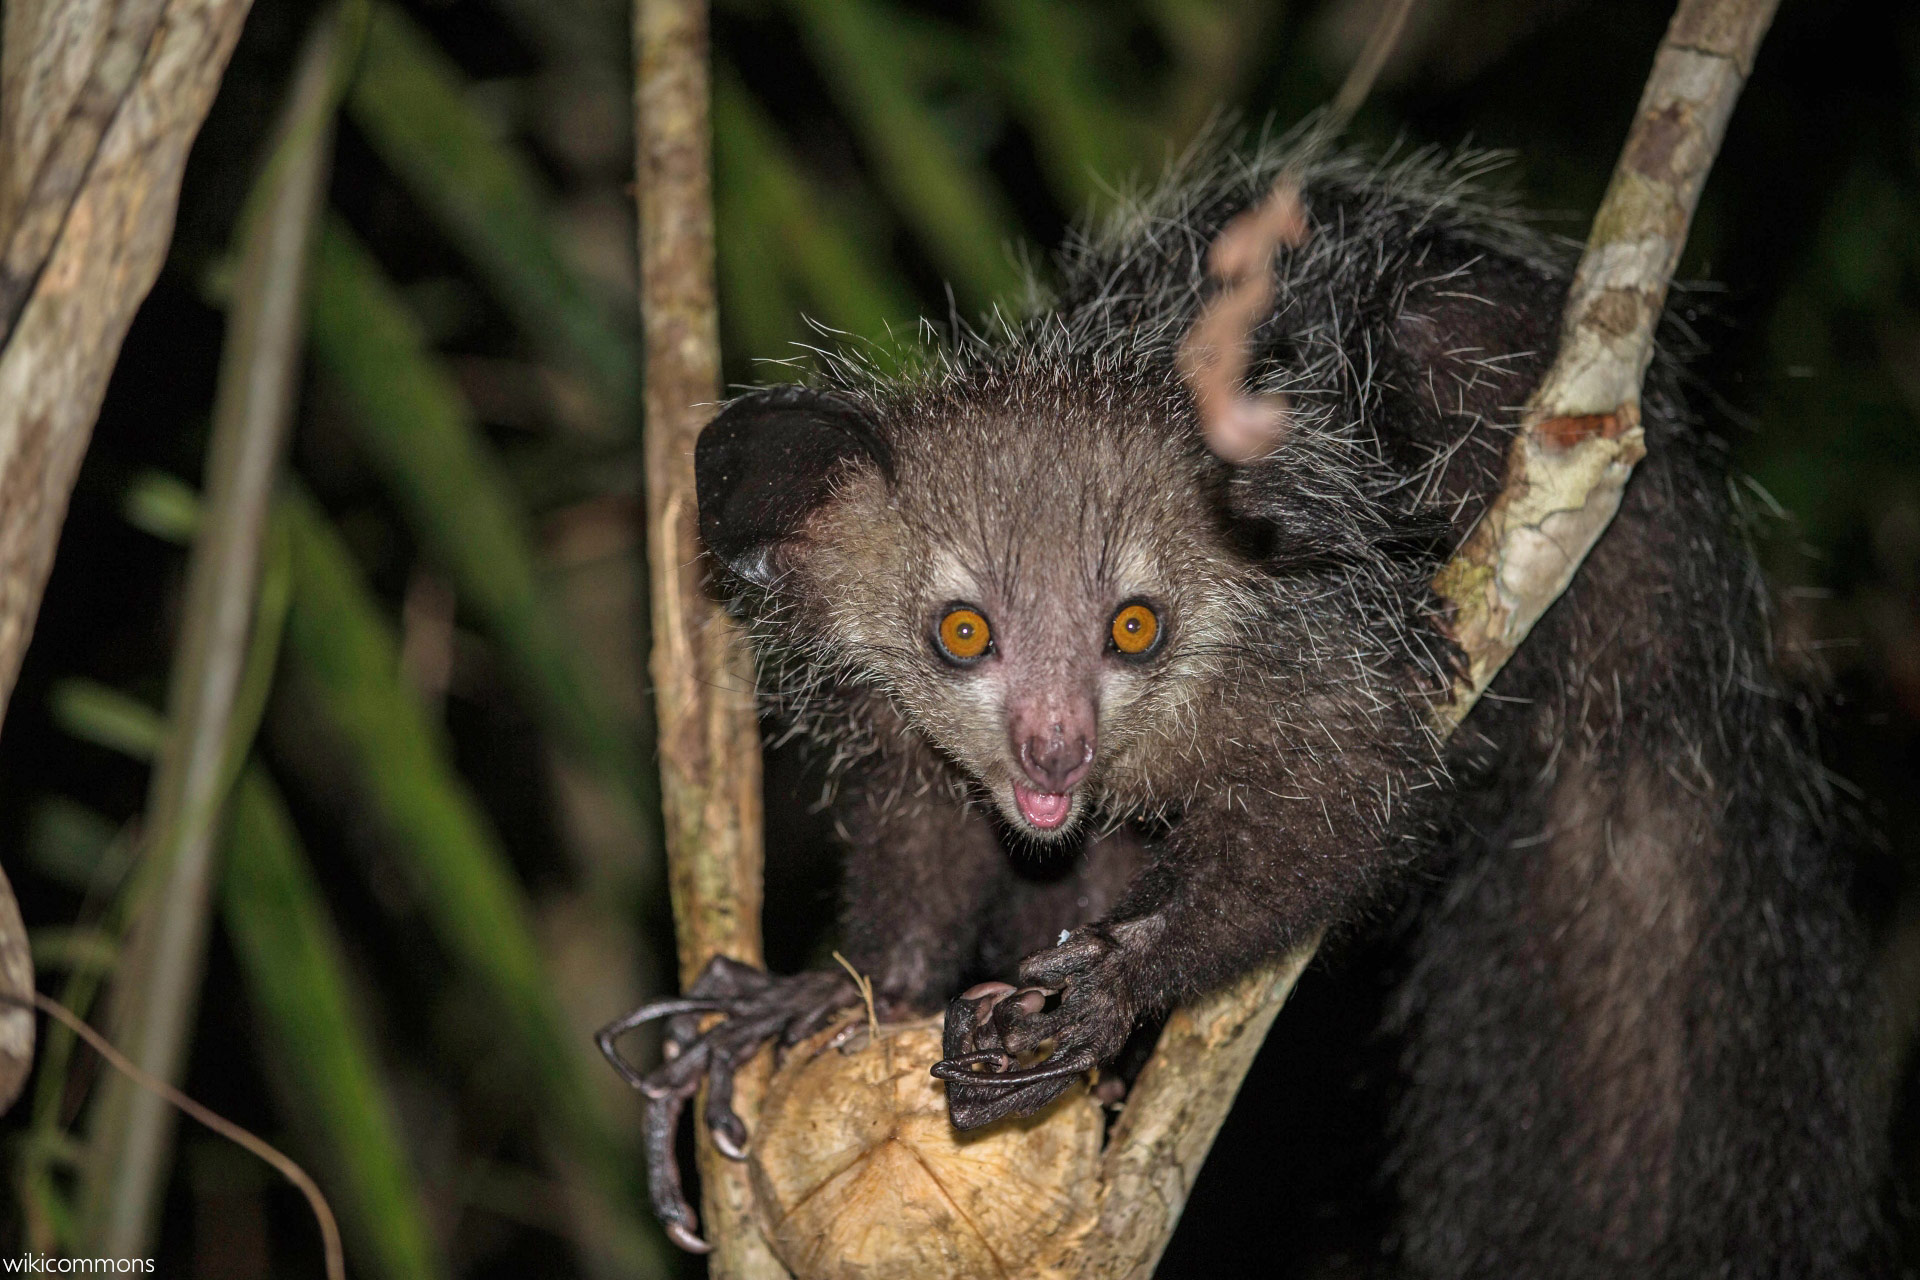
pixel 99 102
pixel 1175 1110
pixel 16 985
pixel 1582 435
pixel 703 679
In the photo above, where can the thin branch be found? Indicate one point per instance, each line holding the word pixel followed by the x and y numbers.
pixel 1567 469
pixel 1381 42
pixel 160 1089
pixel 1582 435
pixel 703 681
pixel 158 981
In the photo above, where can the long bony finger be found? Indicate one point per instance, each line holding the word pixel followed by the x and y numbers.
pixel 663 1175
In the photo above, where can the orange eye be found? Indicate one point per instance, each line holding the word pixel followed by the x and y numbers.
pixel 1136 628
pixel 964 635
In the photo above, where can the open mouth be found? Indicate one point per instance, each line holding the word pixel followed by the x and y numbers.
pixel 1044 810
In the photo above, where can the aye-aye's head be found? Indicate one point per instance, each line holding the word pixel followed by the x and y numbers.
pixel 1038 583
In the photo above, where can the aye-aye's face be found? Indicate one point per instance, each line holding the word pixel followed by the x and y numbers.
pixel 1043 598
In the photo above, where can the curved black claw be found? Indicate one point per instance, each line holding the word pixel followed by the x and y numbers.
pixel 755 1007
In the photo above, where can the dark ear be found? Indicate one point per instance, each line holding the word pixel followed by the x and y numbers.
pixel 764 465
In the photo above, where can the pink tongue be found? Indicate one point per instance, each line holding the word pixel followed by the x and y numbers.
pixel 1044 809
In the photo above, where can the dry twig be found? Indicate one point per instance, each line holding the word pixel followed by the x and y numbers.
pixel 334 1257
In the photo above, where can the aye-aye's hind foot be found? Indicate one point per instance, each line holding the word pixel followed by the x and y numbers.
pixel 755 1007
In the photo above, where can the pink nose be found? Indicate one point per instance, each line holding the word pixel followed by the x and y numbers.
pixel 1057 758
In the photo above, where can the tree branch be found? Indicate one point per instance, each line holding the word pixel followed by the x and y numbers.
pixel 1172 1116
pixel 16 999
pixel 703 679
pixel 99 102
pixel 1582 435
pixel 101 259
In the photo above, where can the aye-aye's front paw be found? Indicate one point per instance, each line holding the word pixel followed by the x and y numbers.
pixel 755 1007
pixel 1072 1003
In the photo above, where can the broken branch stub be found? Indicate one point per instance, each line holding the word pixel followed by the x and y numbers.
pixel 862 1176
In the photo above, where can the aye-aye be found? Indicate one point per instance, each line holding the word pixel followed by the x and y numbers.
pixel 1027 618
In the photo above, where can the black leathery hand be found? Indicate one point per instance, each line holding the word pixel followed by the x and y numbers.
pixel 1073 1005
pixel 973 1039
pixel 754 1008
pixel 724 978
pixel 969 1028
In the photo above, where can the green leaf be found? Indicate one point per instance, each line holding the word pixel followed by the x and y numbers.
pixel 94 713
pixel 168 508
pixel 776 223
pixel 72 844
pixel 946 194
pixel 421 437
pixel 346 655
pixel 409 100
pixel 163 505
pixel 1087 141
pixel 296 979
pixel 72 948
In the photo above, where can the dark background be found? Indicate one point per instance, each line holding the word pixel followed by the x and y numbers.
pixel 868 152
